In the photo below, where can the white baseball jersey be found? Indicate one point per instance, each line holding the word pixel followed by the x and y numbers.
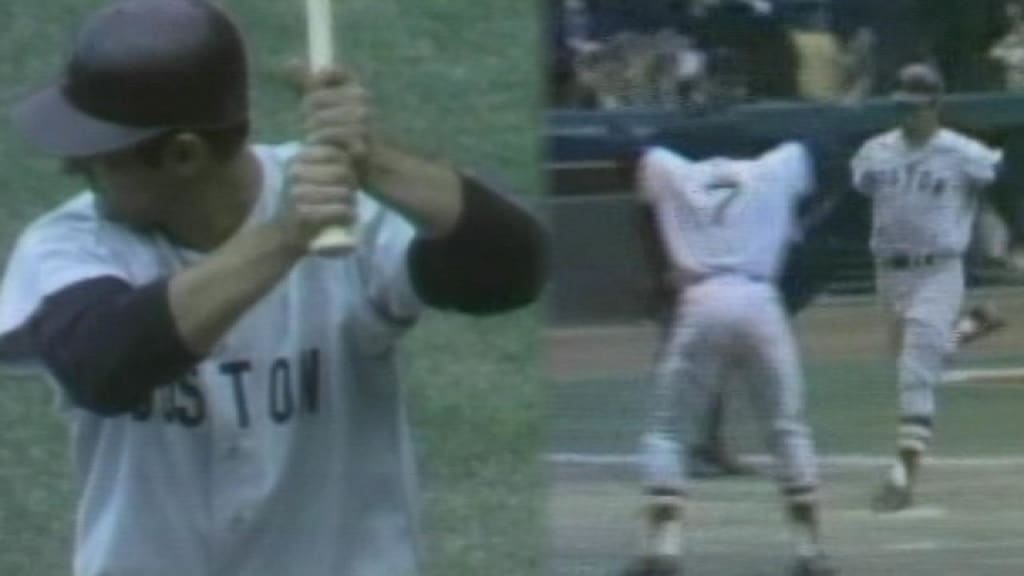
pixel 286 451
pixel 924 199
pixel 726 224
pixel 724 215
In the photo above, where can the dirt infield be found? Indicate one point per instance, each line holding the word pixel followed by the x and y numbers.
pixel 833 329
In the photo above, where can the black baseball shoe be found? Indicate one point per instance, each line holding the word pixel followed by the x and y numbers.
pixel 892 497
pixel 817 565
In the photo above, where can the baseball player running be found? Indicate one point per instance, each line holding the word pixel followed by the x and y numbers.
pixel 924 182
pixel 233 401
pixel 726 225
pixel 825 219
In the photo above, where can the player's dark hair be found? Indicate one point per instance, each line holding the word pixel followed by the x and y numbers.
pixel 225 142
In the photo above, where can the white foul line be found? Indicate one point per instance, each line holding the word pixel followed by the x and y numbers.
pixel 968 375
pixel 840 460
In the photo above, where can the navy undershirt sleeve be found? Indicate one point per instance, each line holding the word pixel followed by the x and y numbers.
pixel 662 294
pixel 110 344
pixel 494 260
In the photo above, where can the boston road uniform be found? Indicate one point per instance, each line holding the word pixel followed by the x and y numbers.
pixel 924 203
pixel 286 450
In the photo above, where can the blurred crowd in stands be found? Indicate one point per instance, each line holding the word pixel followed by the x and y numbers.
pixel 694 53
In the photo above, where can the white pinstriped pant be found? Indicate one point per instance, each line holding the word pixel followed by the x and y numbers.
pixel 723 324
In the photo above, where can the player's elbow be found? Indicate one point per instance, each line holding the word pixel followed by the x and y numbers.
pixel 494 261
pixel 497 273
pixel 109 345
pixel 524 277
pixel 87 383
pixel 516 282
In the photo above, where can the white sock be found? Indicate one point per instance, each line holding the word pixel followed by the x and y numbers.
pixel 668 540
pixel 898 475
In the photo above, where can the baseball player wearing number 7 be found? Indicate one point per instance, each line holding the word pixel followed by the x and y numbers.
pixel 924 182
pixel 726 225
pixel 233 402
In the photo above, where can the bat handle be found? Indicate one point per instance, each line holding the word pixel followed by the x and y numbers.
pixel 320 31
pixel 334 241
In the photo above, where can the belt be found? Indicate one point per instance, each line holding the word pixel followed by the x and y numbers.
pixel 906 261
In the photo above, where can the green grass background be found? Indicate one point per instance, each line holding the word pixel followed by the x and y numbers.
pixel 451 78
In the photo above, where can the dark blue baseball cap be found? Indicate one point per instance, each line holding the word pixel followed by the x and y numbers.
pixel 919 83
pixel 138 69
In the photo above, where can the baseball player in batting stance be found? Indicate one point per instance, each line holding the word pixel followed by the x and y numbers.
pixel 726 225
pixel 233 399
pixel 924 181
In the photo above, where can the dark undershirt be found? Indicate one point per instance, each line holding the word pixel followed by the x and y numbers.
pixel 493 261
pixel 109 344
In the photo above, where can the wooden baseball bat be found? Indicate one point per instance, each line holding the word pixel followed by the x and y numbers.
pixel 320 33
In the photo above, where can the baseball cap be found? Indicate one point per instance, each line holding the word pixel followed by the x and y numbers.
pixel 137 69
pixel 919 83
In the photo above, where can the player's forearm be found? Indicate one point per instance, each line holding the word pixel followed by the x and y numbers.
pixel 110 344
pixel 478 251
pixel 207 299
pixel 427 192
pixel 493 259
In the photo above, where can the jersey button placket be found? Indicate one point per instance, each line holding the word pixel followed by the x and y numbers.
pixel 232 473
pixel 234 511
